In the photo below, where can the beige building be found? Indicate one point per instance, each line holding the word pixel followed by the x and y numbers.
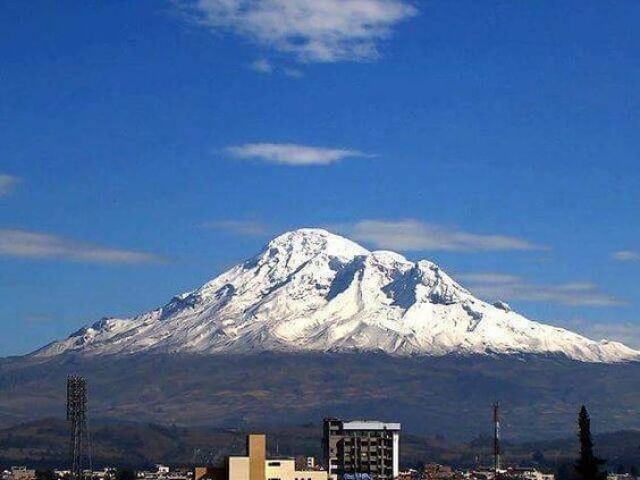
pixel 255 466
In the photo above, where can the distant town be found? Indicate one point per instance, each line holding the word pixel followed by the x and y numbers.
pixel 361 449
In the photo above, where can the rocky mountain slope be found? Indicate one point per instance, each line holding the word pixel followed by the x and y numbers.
pixel 313 291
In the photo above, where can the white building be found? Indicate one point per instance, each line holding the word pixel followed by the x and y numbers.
pixel 362 447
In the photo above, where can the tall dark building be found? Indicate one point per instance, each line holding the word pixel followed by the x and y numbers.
pixel 357 449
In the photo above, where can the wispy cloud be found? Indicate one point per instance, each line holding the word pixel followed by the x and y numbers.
pixel 250 228
pixel 626 256
pixel 498 286
pixel 28 244
pixel 262 66
pixel 624 332
pixel 414 235
pixel 310 30
pixel 489 278
pixel 293 72
pixel 7 184
pixel 291 154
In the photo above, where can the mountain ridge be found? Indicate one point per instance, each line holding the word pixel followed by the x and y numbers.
pixel 311 290
pixel 43 442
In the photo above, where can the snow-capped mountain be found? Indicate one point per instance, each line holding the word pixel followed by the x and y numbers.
pixel 311 290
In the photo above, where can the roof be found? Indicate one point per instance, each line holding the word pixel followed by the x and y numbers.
pixel 370 425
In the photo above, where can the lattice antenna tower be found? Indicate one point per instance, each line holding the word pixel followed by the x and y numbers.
pixel 79 444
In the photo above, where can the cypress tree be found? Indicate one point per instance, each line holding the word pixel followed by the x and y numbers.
pixel 588 465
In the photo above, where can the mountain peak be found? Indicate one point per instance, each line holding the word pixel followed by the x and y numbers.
pixel 315 241
pixel 312 290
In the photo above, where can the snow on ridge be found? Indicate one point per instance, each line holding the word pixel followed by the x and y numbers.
pixel 311 290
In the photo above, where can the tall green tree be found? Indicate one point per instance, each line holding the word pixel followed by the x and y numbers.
pixel 125 474
pixel 588 465
pixel 45 475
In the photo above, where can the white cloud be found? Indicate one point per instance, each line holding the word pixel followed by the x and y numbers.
pixel 626 256
pixel 7 184
pixel 291 154
pixel 310 30
pixel 498 286
pixel 27 244
pixel 251 228
pixel 413 235
pixel 262 66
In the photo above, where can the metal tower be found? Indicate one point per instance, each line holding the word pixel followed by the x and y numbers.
pixel 79 447
pixel 496 439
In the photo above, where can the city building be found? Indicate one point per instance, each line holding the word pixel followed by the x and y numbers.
pixel 533 474
pixel 163 472
pixel 210 473
pixel 22 473
pixel 620 476
pixel 435 471
pixel 306 463
pixel 361 449
pixel 256 466
pixel 511 473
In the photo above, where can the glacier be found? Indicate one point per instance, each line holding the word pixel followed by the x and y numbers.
pixel 313 291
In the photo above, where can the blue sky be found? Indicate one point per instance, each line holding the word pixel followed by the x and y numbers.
pixel 146 146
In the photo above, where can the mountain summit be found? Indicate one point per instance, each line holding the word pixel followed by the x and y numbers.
pixel 311 290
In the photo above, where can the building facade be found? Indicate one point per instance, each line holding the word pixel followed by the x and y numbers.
pixel 361 449
pixel 255 466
